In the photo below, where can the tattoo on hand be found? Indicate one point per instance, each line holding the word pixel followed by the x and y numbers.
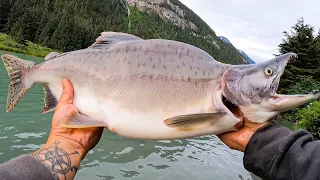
pixel 57 160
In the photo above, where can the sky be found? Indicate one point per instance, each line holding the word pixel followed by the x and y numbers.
pixel 255 26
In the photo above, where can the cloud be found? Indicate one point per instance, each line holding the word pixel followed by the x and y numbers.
pixel 255 26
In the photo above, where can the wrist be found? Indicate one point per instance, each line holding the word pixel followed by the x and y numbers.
pixel 61 156
pixel 67 144
pixel 244 139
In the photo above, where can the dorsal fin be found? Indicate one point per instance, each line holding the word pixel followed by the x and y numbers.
pixel 107 39
pixel 51 56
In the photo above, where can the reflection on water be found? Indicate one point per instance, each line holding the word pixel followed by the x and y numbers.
pixel 199 158
pixel 30 135
pixel 25 129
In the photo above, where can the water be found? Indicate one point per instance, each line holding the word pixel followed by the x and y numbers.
pixel 25 129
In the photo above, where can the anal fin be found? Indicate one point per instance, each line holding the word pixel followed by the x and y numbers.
pixel 191 121
pixel 50 102
pixel 82 121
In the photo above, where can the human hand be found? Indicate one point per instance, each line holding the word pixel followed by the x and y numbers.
pixel 85 137
pixel 66 147
pixel 239 139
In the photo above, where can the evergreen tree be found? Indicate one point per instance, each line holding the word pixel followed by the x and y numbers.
pixel 303 75
pixel 302 41
pixel 5 7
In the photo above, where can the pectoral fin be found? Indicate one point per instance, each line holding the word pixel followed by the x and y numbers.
pixel 191 121
pixel 82 121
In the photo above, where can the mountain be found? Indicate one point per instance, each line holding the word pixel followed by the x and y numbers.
pixel 226 40
pixel 75 24
pixel 250 61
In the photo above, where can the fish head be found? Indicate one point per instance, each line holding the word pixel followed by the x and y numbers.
pixel 252 90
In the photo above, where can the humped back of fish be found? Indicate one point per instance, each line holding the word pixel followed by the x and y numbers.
pixel 145 89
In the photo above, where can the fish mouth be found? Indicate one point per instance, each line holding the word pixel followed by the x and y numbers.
pixel 283 102
pixel 234 109
pixel 226 106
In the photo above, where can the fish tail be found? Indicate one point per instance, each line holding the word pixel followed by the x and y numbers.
pixel 18 70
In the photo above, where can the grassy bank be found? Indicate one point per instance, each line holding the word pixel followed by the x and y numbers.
pixel 7 43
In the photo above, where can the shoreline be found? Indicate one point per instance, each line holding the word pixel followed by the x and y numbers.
pixel 14 50
pixel 7 43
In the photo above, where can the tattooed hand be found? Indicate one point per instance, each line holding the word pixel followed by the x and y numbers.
pixel 66 147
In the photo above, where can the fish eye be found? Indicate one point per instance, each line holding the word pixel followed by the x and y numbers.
pixel 268 72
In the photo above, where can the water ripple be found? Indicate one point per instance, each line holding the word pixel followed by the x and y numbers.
pixel 9 128
pixel 157 167
pixel 125 151
pixel 93 163
pixel 130 174
pixel 27 147
pixel 28 135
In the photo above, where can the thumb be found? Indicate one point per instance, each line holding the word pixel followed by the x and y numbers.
pixel 67 93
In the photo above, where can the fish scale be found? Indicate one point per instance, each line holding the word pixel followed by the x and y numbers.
pixel 154 89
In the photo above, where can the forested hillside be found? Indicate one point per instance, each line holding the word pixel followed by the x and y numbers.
pixel 226 40
pixel 75 24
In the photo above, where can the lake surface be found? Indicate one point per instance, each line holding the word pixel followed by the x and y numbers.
pixel 25 129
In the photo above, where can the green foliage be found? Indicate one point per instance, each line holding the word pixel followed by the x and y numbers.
pixel 64 25
pixel 7 43
pixel 303 85
pixel 75 24
pixel 303 75
pixel 5 7
pixel 303 42
pixel 309 118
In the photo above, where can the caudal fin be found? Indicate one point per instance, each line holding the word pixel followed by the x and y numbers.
pixel 17 70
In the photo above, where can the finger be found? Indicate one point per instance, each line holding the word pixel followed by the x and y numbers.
pixel 67 93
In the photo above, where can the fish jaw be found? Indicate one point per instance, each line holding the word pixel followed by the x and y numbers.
pixel 282 103
pixel 276 104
